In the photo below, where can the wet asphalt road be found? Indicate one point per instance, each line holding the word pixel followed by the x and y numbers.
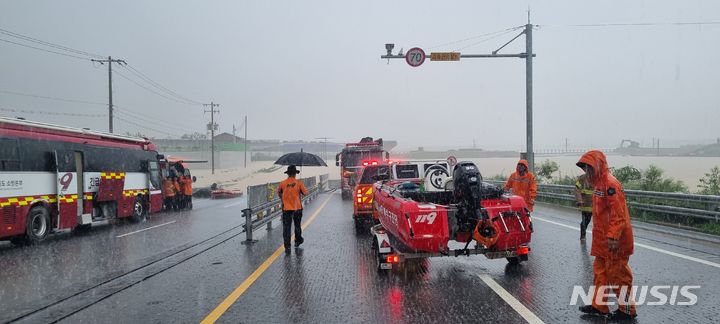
pixel 330 279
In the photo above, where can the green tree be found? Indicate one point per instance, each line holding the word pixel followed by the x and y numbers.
pixel 652 180
pixel 710 183
pixel 547 168
pixel 627 174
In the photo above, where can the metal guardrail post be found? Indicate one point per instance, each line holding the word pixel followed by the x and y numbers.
pixel 247 213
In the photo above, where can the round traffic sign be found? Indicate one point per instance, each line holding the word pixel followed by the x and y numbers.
pixel 415 56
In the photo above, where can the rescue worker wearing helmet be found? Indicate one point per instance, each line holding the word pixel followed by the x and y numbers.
pixel 523 183
pixel 612 240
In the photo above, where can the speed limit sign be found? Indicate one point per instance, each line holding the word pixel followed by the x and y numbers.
pixel 415 56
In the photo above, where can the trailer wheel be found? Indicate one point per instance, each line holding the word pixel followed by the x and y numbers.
pixel 37 224
pixel 139 211
pixel 513 260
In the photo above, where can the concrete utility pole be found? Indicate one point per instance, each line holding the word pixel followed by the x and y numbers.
pixel 110 61
pixel 212 128
pixel 527 55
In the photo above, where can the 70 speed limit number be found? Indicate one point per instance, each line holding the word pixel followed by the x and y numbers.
pixel 415 56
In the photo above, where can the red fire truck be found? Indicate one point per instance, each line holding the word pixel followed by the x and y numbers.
pixel 356 155
pixel 56 177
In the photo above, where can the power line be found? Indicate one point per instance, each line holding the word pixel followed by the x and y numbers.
pixel 52 98
pixel 147 79
pixel 27 111
pixel 475 37
pixel 488 39
pixel 145 127
pixel 151 90
pixel 690 23
pixel 137 116
pixel 44 50
pixel 48 44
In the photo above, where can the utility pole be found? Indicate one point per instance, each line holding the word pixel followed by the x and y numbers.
pixel 212 128
pixel 246 141
pixel 324 156
pixel 110 61
pixel 527 55
pixel 529 95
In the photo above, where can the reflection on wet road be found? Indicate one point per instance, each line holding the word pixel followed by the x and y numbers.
pixel 199 263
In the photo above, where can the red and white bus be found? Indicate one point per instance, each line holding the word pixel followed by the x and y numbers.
pixel 56 177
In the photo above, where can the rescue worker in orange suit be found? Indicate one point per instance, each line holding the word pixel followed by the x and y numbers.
pixel 612 240
pixel 168 192
pixel 186 186
pixel 583 200
pixel 177 202
pixel 523 184
pixel 290 190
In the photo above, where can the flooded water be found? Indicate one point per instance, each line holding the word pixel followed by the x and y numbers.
pixel 687 169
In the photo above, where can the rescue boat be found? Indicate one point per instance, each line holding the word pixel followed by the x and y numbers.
pixel 422 215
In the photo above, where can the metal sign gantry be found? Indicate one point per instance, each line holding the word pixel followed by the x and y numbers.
pixel 454 56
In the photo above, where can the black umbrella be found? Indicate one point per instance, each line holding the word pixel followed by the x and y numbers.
pixel 300 159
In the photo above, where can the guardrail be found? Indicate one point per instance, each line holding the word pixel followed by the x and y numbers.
pixel 706 207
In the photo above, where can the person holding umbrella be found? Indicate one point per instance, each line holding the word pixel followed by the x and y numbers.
pixel 289 191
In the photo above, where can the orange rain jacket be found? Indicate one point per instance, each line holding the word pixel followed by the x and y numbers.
pixel 186 185
pixel 524 186
pixel 611 218
pixel 290 190
pixel 168 188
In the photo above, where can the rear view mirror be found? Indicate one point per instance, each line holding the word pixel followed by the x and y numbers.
pixel 194 178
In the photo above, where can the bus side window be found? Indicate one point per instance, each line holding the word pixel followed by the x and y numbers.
pixel 9 157
pixel 154 171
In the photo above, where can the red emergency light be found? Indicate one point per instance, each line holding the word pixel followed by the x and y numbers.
pixel 392 259
pixel 523 250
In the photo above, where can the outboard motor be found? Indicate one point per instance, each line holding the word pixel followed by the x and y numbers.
pixel 467 182
pixel 471 217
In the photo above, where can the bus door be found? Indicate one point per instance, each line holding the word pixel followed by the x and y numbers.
pixel 69 188
pixel 155 186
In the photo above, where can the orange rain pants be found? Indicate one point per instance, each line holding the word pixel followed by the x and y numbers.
pixel 617 274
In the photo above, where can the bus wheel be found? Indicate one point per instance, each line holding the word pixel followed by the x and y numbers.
pixel 139 213
pixel 38 224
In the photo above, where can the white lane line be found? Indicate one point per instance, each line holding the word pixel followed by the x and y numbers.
pixel 682 256
pixel 512 301
pixel 234 204
pixel 145 229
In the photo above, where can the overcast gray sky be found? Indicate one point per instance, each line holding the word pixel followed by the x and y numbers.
pixel 307 69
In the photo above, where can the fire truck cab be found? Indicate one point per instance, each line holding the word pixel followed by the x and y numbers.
pixel 353 157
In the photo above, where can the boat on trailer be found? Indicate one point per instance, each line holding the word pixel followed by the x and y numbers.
pixel 419 217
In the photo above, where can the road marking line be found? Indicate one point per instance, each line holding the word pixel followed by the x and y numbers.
pixel 235 294
pixel 675 254
pixel 234 204
pixel 145 229
pixel 512 301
